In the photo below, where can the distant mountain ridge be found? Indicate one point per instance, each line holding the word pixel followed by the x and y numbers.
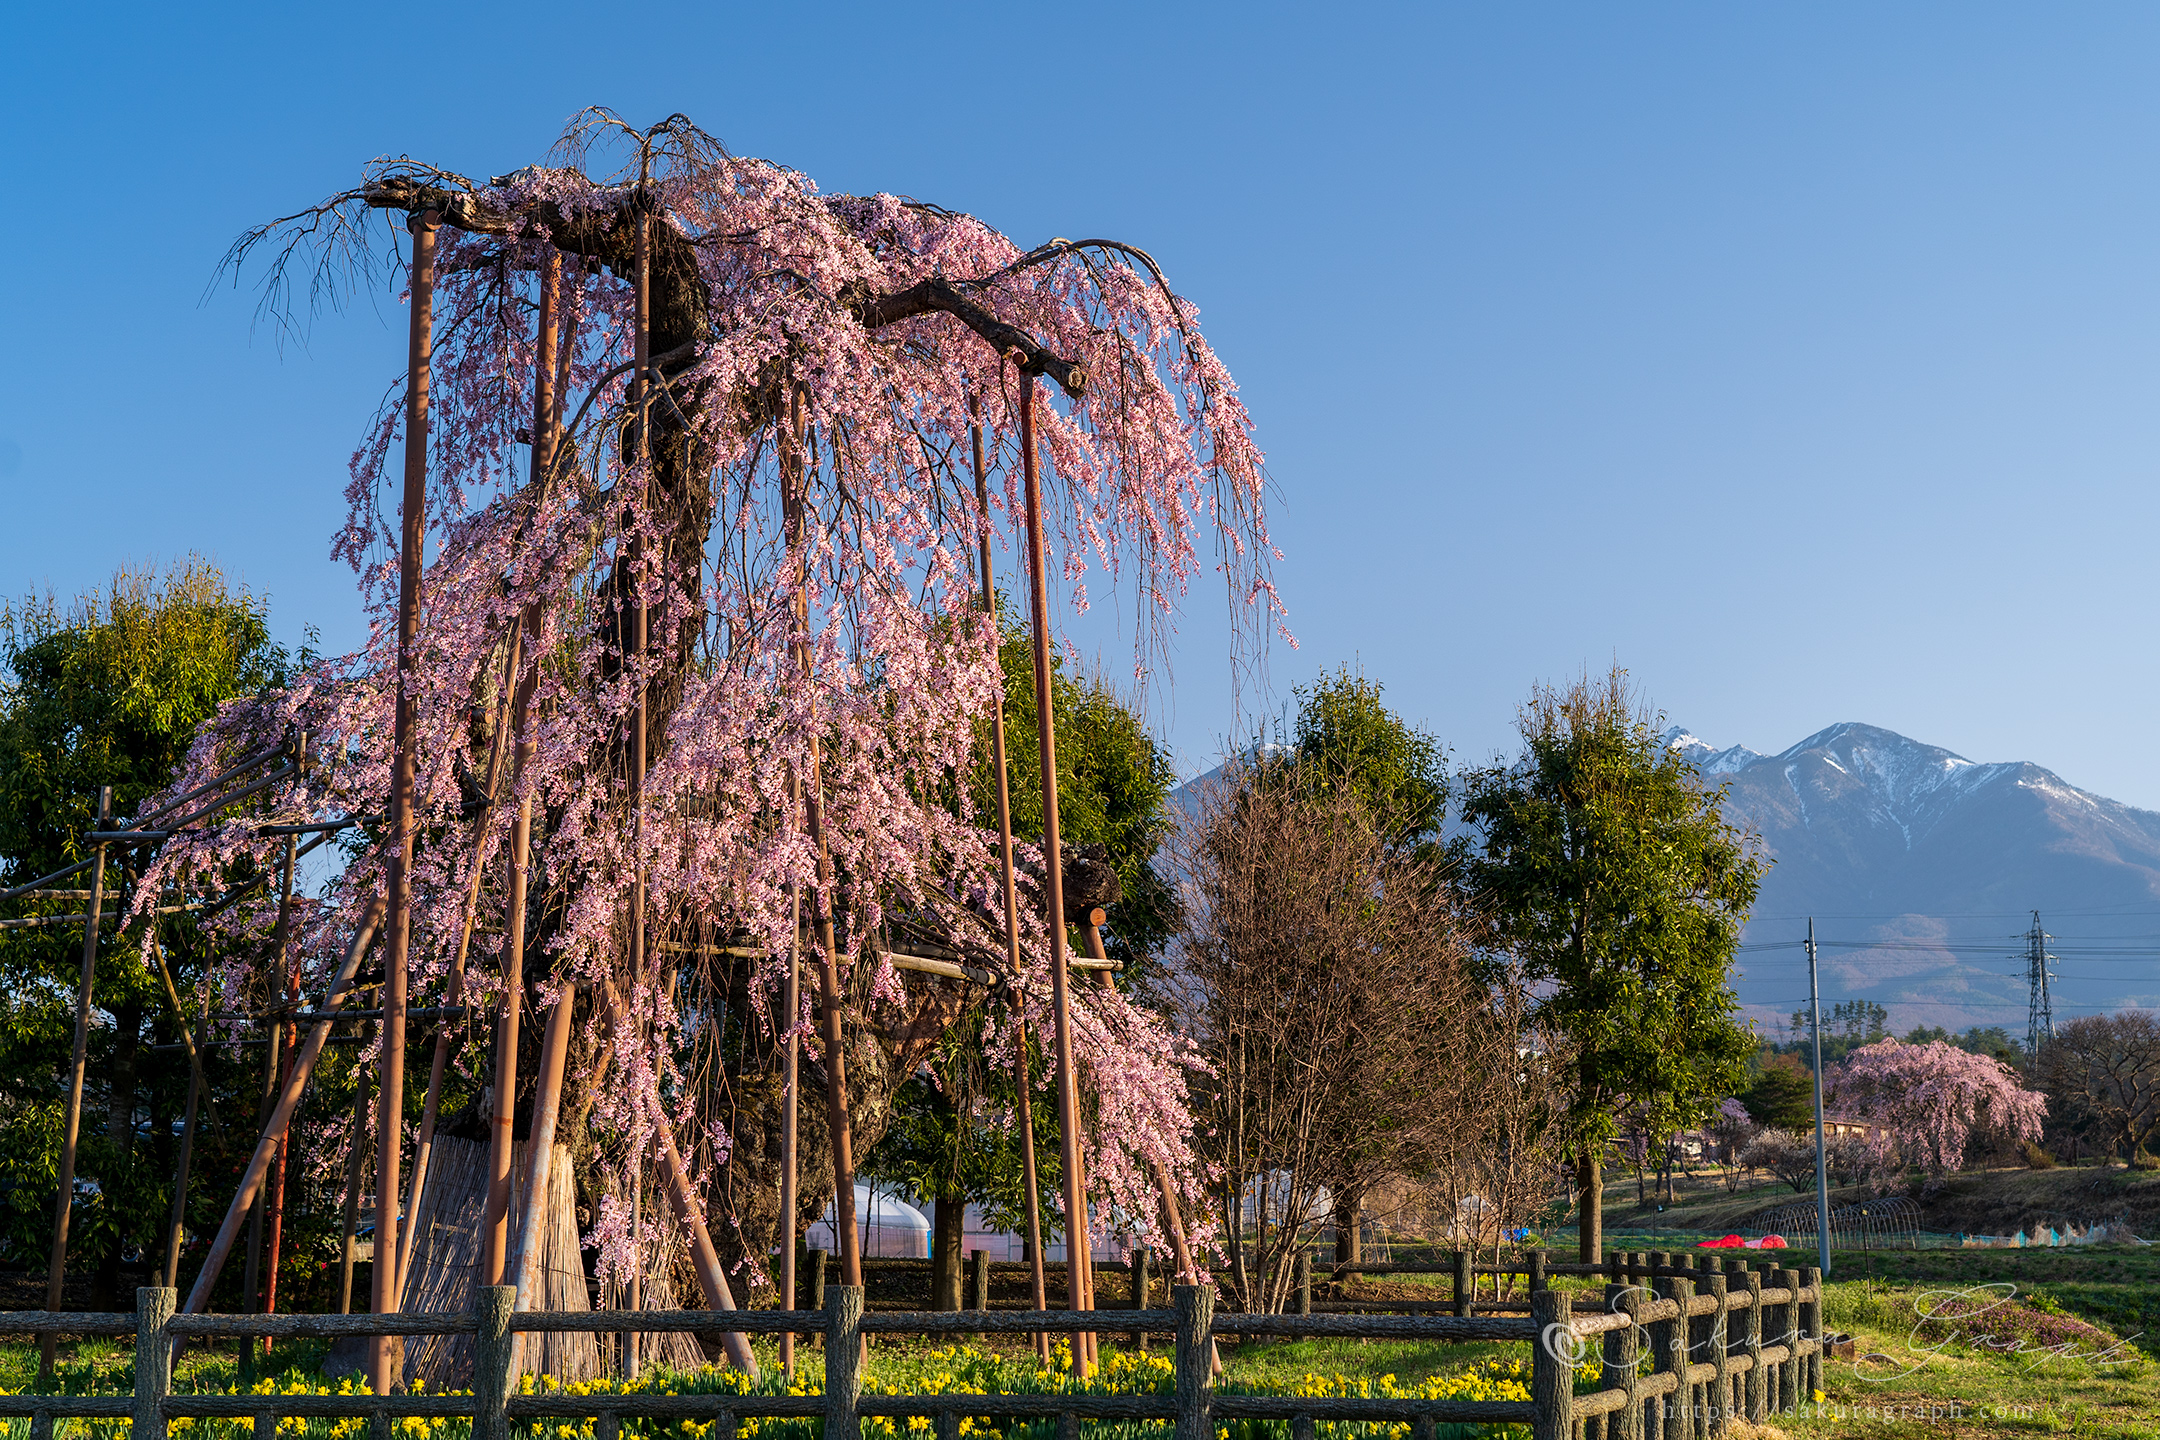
pixel 1930 863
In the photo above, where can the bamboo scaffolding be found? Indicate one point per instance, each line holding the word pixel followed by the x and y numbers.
pixel 260 758
pixel 134 836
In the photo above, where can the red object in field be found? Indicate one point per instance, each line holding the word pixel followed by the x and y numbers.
pixel 1734 1242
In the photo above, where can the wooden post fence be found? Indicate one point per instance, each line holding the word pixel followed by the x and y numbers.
pixel 1683 1395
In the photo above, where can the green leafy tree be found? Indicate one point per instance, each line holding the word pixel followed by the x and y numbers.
pixel 1114 783
pixel 1346 739
pixel 1609 875
pixel 108 691
pixel 1782 1095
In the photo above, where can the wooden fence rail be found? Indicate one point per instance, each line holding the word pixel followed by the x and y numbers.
pixel 1747 1343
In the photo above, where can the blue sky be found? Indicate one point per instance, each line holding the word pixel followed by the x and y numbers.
pixel 1802 359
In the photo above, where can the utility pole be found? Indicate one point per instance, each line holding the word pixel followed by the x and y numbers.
pixel 2040 1008
pixel 1822 1169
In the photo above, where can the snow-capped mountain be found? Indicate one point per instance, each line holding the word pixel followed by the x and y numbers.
pixel 1921 868
pixel 1707 757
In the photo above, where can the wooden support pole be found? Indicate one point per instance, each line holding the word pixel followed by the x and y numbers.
pixel 704 1259
pixel 1680 1411
pixel 547 419
pixel 790 1122
pixel 187 1126
pixel 833 998
pixel 533 1217
pixel 1720 1343
pixel 496 1220
pixel 1195 1305
pixel 639 647
pixel 1788 1335
pixel 397 940
pixel 843 1362
pixel 153 1361
pixel 1091 935
pixel 1811 1328
pixel 795 505
pixel 1188 1270
pixel 1054 873
pixel 251 1272
pixel 1664 1350
pixel 1038 1275
pixel 494 1353
pixel 1751 1340
pixel 1621 1361
pixel 1021 1074
pixel 71 1121
pixel 1552 1378
pixel 355 1158
pixel 288 973
pixel 281 1116
pixel 447 1037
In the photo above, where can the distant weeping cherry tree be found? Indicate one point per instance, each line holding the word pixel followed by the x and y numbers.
pixel 1933 1106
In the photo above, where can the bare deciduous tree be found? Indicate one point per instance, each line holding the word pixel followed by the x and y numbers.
pixel 1501 1170
pixel 2104 1071
pixel 1323 973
